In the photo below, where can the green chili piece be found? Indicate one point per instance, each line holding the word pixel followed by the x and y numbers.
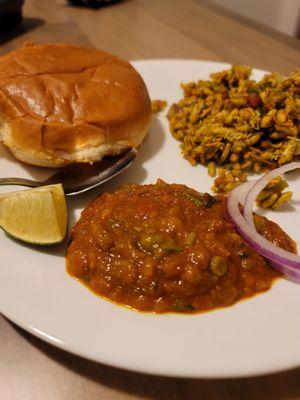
pixel 190 238
pixel 171 248
pixel 198 202
pixel 206 200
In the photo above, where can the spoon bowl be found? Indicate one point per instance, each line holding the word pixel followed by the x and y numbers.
pixel 81 177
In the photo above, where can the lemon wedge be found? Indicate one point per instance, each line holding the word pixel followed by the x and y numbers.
pixel 36 216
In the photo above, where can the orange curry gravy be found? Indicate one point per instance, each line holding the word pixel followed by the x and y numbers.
pixel 167 248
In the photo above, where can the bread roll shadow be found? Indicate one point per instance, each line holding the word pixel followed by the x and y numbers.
pixel 152 143
pixel 26 170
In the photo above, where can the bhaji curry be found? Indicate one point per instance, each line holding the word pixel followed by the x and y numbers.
pixel 167 248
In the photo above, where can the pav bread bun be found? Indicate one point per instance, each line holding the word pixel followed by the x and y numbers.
pixel 63 104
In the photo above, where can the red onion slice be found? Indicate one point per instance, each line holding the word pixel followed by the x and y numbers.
pixel 292 272
pixel 285 261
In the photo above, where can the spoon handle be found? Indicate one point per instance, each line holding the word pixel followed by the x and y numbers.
pixel 19 182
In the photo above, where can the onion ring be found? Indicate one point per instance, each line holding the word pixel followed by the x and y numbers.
pixel 285 261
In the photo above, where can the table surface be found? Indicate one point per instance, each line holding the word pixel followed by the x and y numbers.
pixel 138 29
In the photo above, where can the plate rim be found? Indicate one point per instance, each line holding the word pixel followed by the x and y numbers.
pixel 44 336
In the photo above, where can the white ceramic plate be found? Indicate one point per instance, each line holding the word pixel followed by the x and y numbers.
pixel 256 336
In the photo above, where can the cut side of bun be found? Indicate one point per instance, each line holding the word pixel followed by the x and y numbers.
pixel 63 104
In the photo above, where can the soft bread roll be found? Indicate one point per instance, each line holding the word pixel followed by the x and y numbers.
pixel 61 104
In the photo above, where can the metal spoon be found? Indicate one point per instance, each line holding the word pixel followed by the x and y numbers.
pixel 79 178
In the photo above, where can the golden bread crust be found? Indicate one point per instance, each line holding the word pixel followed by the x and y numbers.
pixel 57 98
